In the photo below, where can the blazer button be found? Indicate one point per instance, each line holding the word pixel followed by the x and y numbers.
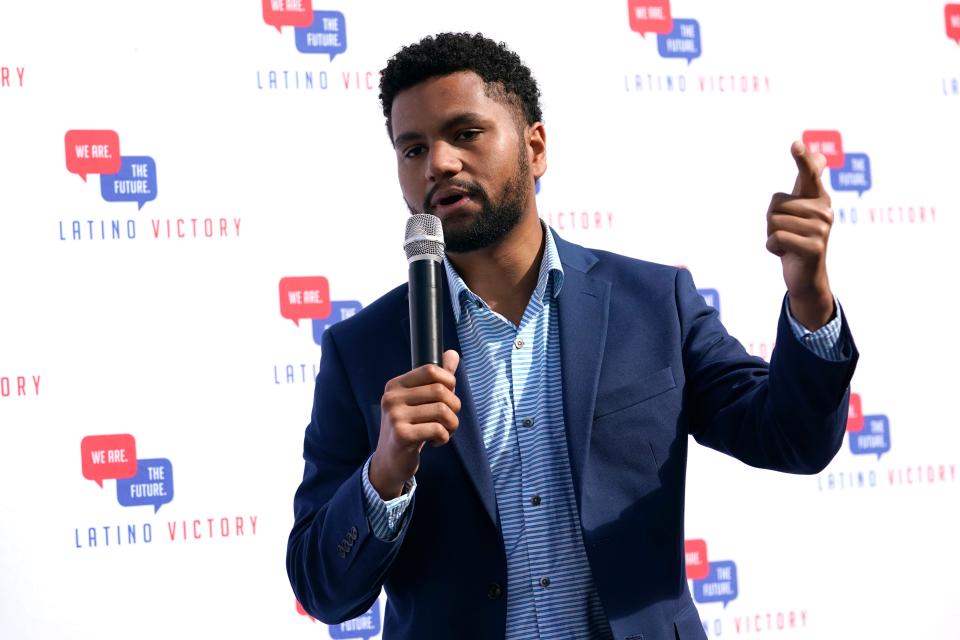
pixel 494 591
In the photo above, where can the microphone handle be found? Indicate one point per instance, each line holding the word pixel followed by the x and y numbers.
pixel 426 312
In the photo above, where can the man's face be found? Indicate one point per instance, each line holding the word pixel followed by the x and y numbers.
pixel 461 156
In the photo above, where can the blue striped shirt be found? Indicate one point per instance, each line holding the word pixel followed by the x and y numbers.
pixel 514 375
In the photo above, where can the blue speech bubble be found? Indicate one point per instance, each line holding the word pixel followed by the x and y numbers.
pixel 135 182
pixel 153 485
pixel 720 585
pixel 711 297
pixel 682 42
pixel 873 438
pixel 854 175
pixel 327 34
pixel 339 310
pixel 365 626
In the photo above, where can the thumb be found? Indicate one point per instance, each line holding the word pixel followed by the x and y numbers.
pixel 451 360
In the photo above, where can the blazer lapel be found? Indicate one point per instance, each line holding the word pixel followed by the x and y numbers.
pixel 583 312
pixel 467 441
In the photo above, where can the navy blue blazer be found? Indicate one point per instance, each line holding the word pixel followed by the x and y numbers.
pixel 645 363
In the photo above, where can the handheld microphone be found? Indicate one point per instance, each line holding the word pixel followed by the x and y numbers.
pixel 423 244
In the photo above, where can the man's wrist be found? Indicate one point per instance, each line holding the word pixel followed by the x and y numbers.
pixel 386 488
pixel 813 312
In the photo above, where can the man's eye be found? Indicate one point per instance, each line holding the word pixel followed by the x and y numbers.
pixel 469 134
pixel 414 151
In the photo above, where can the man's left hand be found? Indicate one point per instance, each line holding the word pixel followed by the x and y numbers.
pixel 798 227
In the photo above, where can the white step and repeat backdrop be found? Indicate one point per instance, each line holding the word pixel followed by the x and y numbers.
pixel 171 171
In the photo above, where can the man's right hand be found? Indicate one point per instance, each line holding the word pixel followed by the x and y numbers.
pixel 416 408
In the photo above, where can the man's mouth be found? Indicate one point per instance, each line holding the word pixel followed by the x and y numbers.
pixel 449 200
pixel 450 204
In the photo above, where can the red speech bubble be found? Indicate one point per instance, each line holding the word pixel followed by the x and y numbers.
pixel 288 13
pixel 829 143
pixel 855 414
pixel 303 612
pixel 305 297
pixel 695 551
pixel 108 457
pixel 951 15
pixel 92 151
pixel 650 16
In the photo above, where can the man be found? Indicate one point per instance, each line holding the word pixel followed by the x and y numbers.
pixel 549 503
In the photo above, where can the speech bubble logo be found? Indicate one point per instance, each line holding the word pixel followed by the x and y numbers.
pixel 339 310
pixel 855 414
pixel 720 585
pixel 152 485
pixel 829 143
pixel 326 34
pixel 695 552
pixel 873 438
pixel 92 151
pixel 288 13
pixel 854 175
pixel 711 297
pixel 303 611
pixel 682 42
pixel 135 182
pixel 304 298
pixel 364 627
pixel 650 16
pixel 951 16
pixel 108 457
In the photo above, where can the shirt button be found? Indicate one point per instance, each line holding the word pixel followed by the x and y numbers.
pixel 494 591
pixel 544 582
pixel 518 343
pixel 528 423
pixel 535 501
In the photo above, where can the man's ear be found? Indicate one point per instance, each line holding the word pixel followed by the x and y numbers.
pixel 536 143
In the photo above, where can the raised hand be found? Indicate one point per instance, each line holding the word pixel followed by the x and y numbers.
pixel 798 228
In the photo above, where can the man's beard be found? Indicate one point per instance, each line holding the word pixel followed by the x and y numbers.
pixel 495 220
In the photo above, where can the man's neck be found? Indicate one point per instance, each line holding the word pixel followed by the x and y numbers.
pixel 505 274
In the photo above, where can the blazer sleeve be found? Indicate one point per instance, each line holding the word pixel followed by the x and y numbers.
pixel 788 416
pixel 335 563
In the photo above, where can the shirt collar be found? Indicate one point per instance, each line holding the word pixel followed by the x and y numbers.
pixel 551 273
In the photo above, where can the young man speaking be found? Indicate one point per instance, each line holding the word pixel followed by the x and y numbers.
pixel 549 503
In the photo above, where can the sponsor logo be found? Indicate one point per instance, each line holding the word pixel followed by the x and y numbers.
pixel 716 582
pixel 868 435
pixel 679 39
pixel 124 179
pixel 143 482
pixel 308 298
pixel 851 172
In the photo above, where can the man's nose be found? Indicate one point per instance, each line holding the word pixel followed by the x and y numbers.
pixel 443 161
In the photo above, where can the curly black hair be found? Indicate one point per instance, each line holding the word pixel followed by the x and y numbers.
pixel 505 76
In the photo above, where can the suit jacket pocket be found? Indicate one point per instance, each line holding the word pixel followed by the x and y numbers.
pixel 634 392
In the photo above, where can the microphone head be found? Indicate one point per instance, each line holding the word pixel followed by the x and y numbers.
pixel 424 238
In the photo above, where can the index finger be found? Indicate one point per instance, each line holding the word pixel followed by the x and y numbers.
pixel 809 168
pixel 427 374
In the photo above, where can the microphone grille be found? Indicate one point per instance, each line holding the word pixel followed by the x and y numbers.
pixel 424 237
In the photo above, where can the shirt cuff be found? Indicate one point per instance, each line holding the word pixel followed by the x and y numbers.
pixel 825 341
pixel 386 517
